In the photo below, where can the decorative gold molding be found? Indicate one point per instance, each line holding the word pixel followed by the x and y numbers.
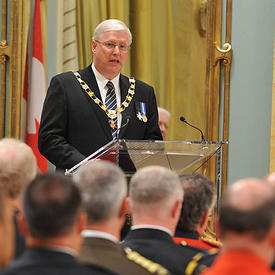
pixel 10 54
pixel 218 56
pixel 4 53
pixel 224 54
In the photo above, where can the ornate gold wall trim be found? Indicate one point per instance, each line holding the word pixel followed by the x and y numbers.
pixel 11 56
pixel 218 55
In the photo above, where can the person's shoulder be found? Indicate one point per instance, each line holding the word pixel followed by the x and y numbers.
pixel 201 261
pixel 138 82
pixel 211 243
pixel 148 265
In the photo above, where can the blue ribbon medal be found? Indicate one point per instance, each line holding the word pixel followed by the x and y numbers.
pixel 143 111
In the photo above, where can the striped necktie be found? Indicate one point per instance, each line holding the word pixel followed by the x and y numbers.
pixel 111 104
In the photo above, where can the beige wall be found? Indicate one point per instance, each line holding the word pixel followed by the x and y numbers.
pixel 272 138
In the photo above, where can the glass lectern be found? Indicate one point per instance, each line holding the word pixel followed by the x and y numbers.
pixel 131 155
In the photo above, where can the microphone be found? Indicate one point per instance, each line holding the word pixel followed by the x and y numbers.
pixel 185 121
pixel 122 126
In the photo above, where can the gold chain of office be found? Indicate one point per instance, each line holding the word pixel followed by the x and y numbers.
pixel 112 114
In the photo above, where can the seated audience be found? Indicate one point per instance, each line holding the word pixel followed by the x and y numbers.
pixel 199 198
pixel 156 197
pixel 6 230
pixel 164 119
pixel 52 222
pixel 104 189
pixel 247 229
pixel 17 169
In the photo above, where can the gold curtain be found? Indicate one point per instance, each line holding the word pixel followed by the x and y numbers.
pixel 190 68
pixel 152 53
pixel 169 45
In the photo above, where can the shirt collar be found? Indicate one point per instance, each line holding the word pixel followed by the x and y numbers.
pixel 102 80
pixel 98 234
pixel 149 226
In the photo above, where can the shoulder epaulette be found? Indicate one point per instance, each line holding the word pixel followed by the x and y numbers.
pixel 211 241
pixel 147 264
pixel 193 264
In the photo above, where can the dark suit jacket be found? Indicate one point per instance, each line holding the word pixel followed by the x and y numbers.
pixel 72 126
pixel 159 247
pixel 108 254
pixel 41 261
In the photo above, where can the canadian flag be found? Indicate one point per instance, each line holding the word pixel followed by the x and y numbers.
pixel 34 93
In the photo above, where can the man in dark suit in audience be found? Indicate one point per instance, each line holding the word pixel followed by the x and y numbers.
pixel 156 197
pixel 199 198
pixel 247 229
pixel 104 189
pixel 52 223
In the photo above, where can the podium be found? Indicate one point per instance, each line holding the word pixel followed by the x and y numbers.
pixel 180 156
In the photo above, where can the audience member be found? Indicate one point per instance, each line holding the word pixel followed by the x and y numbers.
pixel 6 230
pixel 164 119
pixel 156 197
pixel 271 179
pixel 17 169
pixel 247 229
pixel 52 223
pixel 199 198
pixel 104 189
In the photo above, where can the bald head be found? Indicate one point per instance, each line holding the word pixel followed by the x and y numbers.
pixel 17 166
pixel 271 179
pixel 248 194
pixel 248 207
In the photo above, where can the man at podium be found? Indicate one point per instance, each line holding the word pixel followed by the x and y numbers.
pixel 85 110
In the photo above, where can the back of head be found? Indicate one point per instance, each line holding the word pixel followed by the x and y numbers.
pixel 164 111
pixel 111 25
pixel 52 204
pixel 154 189
pixel 248 207
pixel 199 197
pixel 103 187
pixel 17 166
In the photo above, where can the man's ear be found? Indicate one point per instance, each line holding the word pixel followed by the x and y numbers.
pixel 176 210
pixel 273 236
pixel 217 228
pixel 82 222
pixel 128 205
pixel 123 208
pixel 22 223
pixel 94 45
pixel 203 223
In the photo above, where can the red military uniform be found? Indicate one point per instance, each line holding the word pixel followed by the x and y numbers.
pixel 239 263
pixel 192 238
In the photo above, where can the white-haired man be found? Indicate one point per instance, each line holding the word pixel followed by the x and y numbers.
pixel 17 169
pixel 156 196
pixel 104 189
pixel 164 119
pixel 87 109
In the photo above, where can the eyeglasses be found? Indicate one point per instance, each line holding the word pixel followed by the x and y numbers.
pixel 111 46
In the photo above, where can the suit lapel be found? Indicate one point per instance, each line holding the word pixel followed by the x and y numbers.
pixel 88 76
pixel 124 86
